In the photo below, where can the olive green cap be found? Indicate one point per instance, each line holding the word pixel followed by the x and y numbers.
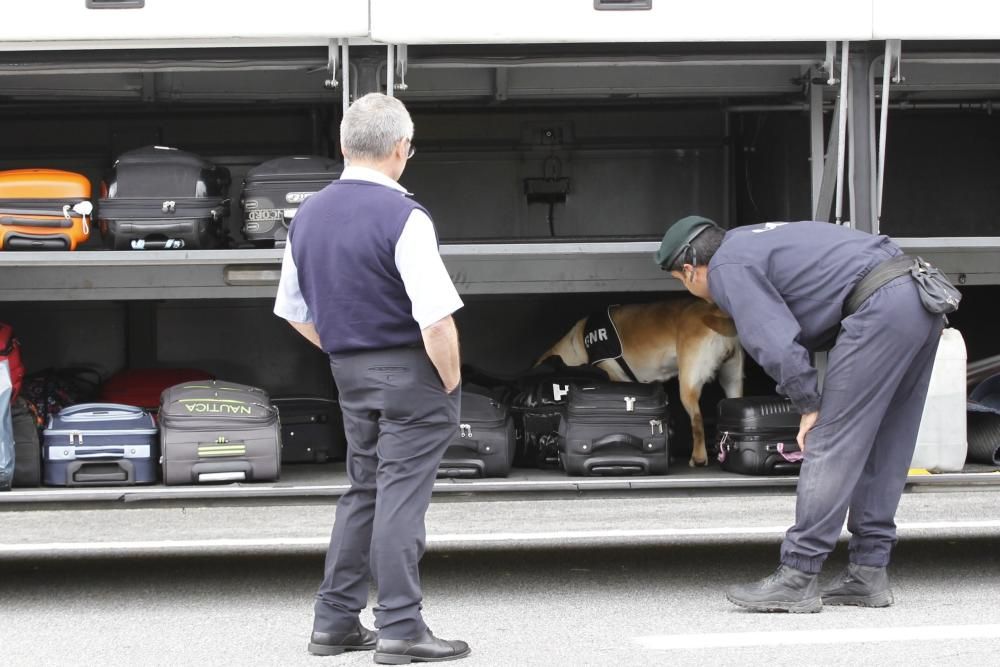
pixel 678 237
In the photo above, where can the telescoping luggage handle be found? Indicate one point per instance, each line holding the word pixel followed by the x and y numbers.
pixel 116 4
pixel 618 439
pixel 86 473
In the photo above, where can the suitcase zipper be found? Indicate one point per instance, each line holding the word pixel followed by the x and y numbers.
pixel 655 425
pixel 165 205
pixel 590 413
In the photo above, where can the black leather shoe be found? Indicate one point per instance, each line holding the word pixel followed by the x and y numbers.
pixel 787 589
pixel 425 648
pixel 859 585
pixel 358 639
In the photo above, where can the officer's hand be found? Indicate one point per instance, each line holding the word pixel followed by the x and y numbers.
pixel 805 425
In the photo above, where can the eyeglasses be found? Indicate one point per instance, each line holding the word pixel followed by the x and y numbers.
pixel 410 153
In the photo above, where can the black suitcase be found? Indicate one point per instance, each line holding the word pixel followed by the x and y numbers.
pixel 161 198
pixel 27 446
pixel 273 191
pixel 757 436
pixel 312 429
pixel 615 428
pixel 484 444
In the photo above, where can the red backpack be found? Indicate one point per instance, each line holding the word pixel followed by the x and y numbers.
pixel 10 351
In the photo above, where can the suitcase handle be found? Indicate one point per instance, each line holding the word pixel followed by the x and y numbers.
pixel 102 453
pixel 473 444
pixel 112 409
pixel 116 4
pixel 167 244
pixel 76 474
pixel 222 471
pixel 58 223
pixel 617 439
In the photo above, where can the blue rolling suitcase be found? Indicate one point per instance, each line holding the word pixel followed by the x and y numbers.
pixel 100 444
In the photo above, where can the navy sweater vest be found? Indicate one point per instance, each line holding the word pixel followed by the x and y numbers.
pixel 344 245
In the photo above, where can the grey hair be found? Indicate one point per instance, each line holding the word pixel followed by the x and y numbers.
pixel 372 127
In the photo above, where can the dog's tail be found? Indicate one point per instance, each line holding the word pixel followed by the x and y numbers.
pixel 570 347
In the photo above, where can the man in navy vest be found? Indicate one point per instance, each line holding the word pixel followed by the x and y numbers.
pixel 362 280
pixel 795 288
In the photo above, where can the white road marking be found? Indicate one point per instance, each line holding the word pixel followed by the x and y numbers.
pixel 710 640
pixel 456 538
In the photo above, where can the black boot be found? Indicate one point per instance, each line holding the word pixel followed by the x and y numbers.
pixel 787 589
pixel 327 643
pixel 859 585
pixel 425 648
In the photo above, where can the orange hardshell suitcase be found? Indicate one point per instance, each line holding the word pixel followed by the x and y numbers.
pixel 44 209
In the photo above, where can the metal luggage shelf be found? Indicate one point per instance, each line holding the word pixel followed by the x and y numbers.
pixel 476 268
pixel 320 483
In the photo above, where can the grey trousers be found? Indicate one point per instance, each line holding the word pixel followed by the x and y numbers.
pixel 859 452
pixel 398 421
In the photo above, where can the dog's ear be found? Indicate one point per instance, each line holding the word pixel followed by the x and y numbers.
pixel 720 324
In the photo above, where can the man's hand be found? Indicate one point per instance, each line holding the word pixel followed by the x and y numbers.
pixel 805 425
pixel 441 343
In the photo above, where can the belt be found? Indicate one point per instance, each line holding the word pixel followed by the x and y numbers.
pixel 881 275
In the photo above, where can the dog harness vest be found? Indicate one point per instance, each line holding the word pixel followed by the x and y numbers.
pixel 344 243
pixel 603 342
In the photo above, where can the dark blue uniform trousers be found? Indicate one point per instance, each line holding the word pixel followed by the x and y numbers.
pixel 859 452
pixel 398 421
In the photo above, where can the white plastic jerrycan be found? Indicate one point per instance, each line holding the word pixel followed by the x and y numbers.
pixel 942 444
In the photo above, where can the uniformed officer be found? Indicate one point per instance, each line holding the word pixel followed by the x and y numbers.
pixel 362 280
pixel 785 286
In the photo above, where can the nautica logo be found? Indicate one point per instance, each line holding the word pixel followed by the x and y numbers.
pixel 218 408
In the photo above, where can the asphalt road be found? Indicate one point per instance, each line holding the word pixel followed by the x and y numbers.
pixel 597 581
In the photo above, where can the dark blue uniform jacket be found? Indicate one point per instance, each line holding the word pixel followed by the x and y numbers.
pixel 784 284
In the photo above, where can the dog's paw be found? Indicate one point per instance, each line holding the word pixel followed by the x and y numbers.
pixel 695 463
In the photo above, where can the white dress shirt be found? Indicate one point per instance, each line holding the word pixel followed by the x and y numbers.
pixel 418 261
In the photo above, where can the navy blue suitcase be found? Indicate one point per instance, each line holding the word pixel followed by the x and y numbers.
pixel 100 444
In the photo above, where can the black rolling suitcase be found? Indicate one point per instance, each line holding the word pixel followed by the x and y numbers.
pixel 161 198
pixel 484 444
pixel 27 447
pixel 273 191
pixel 615 428
pixel 757 436
pixel 312 429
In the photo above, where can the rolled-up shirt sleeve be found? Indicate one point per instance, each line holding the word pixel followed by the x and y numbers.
pixel 424 275
pixel 289 304
pixel 768 331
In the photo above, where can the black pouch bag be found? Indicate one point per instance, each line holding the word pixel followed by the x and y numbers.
pixel 539 406
pixel 937 293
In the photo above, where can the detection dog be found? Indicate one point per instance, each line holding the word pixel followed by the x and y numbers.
pixel 686 338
